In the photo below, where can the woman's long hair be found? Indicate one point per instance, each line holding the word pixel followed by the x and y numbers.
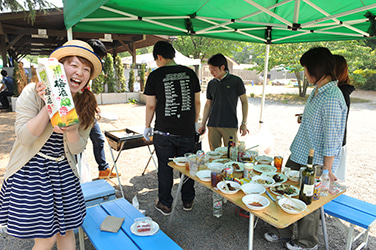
pixel 341 69
pixel 86 105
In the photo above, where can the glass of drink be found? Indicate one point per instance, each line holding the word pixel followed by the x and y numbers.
pixel 193 165
pixel 186 155
pixel 278 160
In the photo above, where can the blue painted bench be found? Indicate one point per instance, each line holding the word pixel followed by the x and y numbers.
pixel 123 239
pixel 356 212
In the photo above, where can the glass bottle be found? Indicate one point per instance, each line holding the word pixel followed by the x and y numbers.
pixel 217 205
pixel 241 151
pixel 230 141
pixel 308 181
pixel 325 183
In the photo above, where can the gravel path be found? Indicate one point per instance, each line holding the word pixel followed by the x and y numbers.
pixel 198 229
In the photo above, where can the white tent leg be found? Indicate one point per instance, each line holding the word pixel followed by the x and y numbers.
pixel 265 80
pixel 70 34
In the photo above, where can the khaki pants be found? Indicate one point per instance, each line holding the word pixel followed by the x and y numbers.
pixel 216 135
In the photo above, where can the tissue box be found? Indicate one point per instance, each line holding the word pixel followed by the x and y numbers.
pixel 58 98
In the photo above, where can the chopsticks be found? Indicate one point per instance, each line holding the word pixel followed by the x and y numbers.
pixel 296 204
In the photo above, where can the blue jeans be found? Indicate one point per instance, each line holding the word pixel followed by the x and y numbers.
pixel 97 139
pixel 168 147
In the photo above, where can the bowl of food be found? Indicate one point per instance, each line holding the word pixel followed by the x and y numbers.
pixel 222 150
pixel 204 175
pixel 211 155
pixel 222 160
pixel 253 188
pixel 237 166
pixel 282 189
pixel 265 168
pixel 292 205
pixel 180 161
pixel 255 201
pixel 215 166
pixel 277 177
pixel 263 180
pixel 264 160
pixel 233 187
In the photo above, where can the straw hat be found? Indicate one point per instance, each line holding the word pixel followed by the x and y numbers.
pixel 82 49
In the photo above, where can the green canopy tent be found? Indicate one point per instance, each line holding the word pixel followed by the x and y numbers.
pixel 259 21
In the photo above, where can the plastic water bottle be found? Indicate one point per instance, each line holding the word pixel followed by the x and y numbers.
pixel 325 183
pixel 217 205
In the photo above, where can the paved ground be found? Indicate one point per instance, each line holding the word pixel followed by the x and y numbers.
pixel 198 229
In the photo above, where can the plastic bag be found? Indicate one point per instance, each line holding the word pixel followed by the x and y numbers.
pixel 264 139
pixel 83 168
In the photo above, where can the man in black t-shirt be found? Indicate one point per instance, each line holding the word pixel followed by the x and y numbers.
pixel 173 93
pixel 6 89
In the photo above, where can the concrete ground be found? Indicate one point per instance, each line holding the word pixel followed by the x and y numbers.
pixel 198 229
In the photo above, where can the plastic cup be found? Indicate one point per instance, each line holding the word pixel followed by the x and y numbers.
pixel 193 165
pixel 186 155
pixel 278 160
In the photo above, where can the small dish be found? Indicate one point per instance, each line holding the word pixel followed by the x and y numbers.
pixel 144 227
pixel 293 175
pixel 180 161
pixel 277 177
pixel 263 180
pixel 264 160
pixel 237 166
pixel 213 155
pixel 253 188
pixel 222 150
pixel 255 201
pixel 292 205
pixel 222 160
pixel 215 166
pixel 204 175
pixel 233 184
pixel 264 168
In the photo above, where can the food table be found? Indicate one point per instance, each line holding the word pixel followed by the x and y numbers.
pixel 272 214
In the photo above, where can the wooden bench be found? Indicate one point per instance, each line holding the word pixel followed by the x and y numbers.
pixel 356 212
pixel 123 239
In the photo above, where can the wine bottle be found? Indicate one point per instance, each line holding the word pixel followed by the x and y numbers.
pixel 308 181
pixel 231 140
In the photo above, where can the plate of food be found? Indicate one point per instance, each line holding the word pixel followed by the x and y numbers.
pixel 222 160
pixel 204 175
pixel 233 187
pixel 213 155
pixel 292 205
pixel 144 227
pixel 263 180
pixel 265 168
pixel 264 160
pixel 180 161
pixel 281 189
pixel 253 188
pixel 277 177
pixel 255 201
pixel 222 150
pixel 237 166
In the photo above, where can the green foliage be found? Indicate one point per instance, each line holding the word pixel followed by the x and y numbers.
pixel 28 5
pixel 142 77
pixel 97 84
pixel 119 75
pixel 108 68
pixel 131 79
pixel 132 100
pixel 19 78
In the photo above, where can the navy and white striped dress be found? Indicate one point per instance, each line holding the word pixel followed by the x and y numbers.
pixel 44 197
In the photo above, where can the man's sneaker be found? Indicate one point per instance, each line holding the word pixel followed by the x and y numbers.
pixel 162 208
pixel 104 174
pixel 274 238
pixel 188 206
pixel 293 246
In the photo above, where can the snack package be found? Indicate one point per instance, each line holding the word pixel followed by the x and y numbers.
pixel 58 98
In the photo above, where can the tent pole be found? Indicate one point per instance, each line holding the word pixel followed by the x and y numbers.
pixel 265 80
pixel 69 34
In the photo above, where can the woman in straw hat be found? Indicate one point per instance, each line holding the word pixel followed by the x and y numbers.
pixel 41 196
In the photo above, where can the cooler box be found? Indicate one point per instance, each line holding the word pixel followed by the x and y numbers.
pixel 97 191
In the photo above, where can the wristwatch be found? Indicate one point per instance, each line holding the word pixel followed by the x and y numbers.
pixel 244 123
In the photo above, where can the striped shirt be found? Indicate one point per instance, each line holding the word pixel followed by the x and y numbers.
pixel 322 127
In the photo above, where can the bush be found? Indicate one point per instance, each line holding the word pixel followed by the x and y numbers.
pixel 131 79
pixel 119 75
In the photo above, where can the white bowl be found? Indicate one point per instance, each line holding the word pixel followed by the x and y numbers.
pixel 263 159
pixel 265 168
pixel 253 188
pixel 222 188
pixel 281 189
pixel 180 161
pixel 283 178
pixel 213 155
pixel 222 150
pixel 263 180
pixel 222 160
pixel 255 198
pixel 215 166
pixel 292 205
pixel 204 175
pixel 233 164
pixel 293 175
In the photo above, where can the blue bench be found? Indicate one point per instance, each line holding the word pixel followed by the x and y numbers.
pixel 123 239
pixel 356 212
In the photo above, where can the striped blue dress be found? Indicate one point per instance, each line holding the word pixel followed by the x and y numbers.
pixel 44 197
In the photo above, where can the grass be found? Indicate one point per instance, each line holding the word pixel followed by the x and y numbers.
pixel 295 98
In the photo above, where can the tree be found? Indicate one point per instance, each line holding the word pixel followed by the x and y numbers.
pixel 131 79
pixel 119 75
pixel 142 77
pixel 108 68
pixel 97 84
pixel 28 5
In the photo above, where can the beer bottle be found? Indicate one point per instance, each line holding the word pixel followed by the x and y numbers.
pixel 308 181
pixel 230 141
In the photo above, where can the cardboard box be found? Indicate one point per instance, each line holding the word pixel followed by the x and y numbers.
pixel 58 97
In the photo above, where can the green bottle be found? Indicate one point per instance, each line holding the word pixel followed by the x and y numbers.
pixel 308 181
